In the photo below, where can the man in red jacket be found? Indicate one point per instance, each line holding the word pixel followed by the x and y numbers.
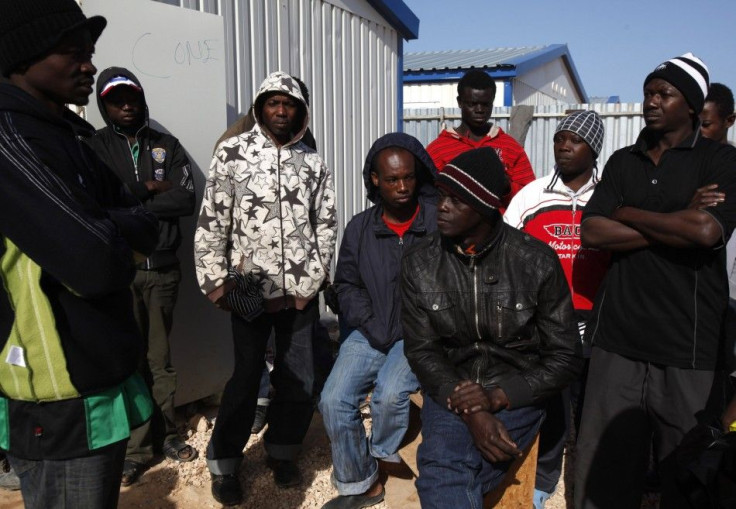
pixel 475 94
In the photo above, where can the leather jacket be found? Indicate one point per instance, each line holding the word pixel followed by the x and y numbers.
pixel 502 317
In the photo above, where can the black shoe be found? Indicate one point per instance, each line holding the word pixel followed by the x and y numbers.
pixel 226 489
pixel 354 501
pixel 285 473
pixel 132 470
pixel 260 420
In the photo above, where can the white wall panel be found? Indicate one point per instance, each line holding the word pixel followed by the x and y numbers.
pixel 440 95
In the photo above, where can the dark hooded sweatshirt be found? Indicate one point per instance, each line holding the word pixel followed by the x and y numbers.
pixel 161 157
pixel 368 267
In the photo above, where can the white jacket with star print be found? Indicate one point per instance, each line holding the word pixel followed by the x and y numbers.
pixel 268 210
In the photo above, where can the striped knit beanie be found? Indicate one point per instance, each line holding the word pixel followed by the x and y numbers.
pixel 30 28
pixel 478 178
pixel 586 124
pixel 688 74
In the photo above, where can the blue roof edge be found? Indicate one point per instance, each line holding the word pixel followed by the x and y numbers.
pixel 456 74
pixel 399 16
pixel 527 62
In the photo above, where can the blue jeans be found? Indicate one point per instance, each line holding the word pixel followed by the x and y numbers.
pixel 291 408
pixel 92 482
pixel 357 368
pixel 452 471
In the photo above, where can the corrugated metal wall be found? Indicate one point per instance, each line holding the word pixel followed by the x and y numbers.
pixel 622 124
pixel 349 63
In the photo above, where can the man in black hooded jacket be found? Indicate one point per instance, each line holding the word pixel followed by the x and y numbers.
pixel 399 177
pixel 155 168
pixel 69 235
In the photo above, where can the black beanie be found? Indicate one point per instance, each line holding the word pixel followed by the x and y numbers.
pixel 688 74
pixel 478 178
pixel 30 28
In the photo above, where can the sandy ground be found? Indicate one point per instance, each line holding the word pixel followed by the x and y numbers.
pixel 170 485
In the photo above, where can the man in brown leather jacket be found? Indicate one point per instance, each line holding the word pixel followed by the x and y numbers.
pixel 489 332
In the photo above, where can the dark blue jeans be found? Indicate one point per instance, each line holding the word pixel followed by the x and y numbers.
pixel 291 408
pixel 452 471
pixel 92 482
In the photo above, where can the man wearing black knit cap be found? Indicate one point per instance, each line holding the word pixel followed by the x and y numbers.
pixel 489 332
pixel 69 238
pixel 657 319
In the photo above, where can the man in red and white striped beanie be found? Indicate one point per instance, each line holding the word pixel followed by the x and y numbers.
pixel 478 178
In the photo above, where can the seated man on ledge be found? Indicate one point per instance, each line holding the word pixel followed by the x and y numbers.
pixel 489 331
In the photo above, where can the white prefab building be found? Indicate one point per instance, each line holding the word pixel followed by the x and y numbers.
pixel 201 62
pixel 535 75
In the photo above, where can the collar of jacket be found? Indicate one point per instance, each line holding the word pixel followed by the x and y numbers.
pixel 417 226
pixel 497 235
pixel 492 132
pixel 141 138
pixel 14 98
pixel 644 141
pixel 556 185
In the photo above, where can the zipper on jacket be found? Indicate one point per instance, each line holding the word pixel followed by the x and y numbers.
pixel 499 310
pixel 127 145
pixel 476 345
pixel 475 297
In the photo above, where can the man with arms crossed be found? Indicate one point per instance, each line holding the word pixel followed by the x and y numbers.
pixel 657 319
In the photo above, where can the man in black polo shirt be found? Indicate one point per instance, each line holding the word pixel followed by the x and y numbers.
pixel 657 317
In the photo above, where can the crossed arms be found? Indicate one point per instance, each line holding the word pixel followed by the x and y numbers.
pixel 631 228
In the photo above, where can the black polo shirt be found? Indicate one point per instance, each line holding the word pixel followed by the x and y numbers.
pixel 663 304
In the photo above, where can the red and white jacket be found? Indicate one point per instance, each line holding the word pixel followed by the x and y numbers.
pixel 550 211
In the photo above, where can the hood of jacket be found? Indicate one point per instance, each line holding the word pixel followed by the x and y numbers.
pixel 283 83
pixel 424 167
pixel 106 76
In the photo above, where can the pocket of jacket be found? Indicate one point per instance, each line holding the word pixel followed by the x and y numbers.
pixel 440 310
pixel 514 319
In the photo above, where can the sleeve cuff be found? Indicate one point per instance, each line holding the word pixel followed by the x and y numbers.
pixel 518 391
pixel 139 190
pixel 444 392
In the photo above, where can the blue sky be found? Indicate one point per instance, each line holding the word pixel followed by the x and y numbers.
pixel 614 44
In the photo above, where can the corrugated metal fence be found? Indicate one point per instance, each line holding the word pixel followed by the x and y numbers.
pixel 622 125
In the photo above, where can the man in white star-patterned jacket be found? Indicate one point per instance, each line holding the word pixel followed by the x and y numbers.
pixel 269 211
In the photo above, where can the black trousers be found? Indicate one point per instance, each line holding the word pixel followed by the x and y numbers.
pixel 552 437
pixel 291 408
pixel 629 406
